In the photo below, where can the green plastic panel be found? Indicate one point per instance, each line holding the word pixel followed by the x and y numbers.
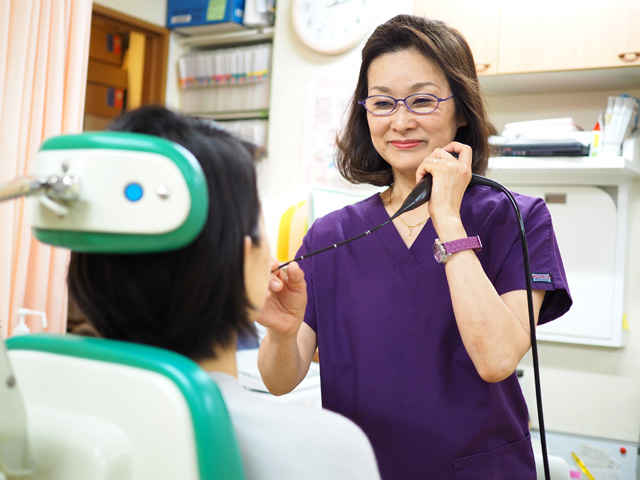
pixel 134 243
pixel 216 448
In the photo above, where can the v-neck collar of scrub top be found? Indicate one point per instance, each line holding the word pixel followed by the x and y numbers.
pixel 421 250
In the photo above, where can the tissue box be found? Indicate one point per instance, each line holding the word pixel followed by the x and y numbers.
pixel 192 17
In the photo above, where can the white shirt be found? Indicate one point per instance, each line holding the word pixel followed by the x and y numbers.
pixel 281 441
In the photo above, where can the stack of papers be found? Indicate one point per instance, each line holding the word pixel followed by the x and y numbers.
pixel 548 129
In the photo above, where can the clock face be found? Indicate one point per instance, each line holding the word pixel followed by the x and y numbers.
pixel 330 26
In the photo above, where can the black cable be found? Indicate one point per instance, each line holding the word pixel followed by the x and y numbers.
pixel 477 179
pixel 335 245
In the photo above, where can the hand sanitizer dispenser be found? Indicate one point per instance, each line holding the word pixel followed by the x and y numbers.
pixel 22 328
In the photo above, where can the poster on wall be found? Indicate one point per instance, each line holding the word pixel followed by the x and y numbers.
pixel 327 113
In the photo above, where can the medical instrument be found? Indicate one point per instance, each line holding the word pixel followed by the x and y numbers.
pixel 147 194
pixel 418 196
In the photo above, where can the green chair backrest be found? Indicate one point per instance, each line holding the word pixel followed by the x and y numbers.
pixel 217 452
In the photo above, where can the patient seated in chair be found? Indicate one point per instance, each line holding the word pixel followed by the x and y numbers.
pixel 198 299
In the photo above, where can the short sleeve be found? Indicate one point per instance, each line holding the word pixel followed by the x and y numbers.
pixel 547 269
pixel 306 265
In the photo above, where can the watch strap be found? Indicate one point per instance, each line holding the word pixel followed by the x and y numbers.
pixel 443 250
pixel 468 243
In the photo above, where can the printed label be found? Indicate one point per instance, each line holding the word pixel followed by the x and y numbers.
pixel 216 10
pixel 186 18
pixel 541 277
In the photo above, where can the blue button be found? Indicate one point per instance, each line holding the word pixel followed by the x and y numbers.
pixel 133 191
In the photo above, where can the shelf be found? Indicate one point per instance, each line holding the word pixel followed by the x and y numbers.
pixel 617 78
pixel 236 37
pixel 236 115
pixel 601 170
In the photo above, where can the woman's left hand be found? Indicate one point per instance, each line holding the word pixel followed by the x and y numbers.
pixel 451 176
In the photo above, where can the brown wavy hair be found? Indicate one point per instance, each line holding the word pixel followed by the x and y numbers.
pixel 357 160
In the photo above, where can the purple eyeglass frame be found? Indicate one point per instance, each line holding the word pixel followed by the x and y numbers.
pixel 403 100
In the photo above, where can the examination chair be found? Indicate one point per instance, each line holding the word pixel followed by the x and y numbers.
pixel 79 408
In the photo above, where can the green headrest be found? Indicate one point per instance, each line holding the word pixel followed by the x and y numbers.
pixel 138 193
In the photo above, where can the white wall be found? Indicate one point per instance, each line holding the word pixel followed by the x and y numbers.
pixel 586 390
pixel 153 11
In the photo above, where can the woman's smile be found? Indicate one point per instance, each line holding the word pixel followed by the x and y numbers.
pixel 406 144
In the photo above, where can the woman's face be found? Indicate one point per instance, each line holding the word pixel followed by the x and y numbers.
pixel 257 270
pixel 404 138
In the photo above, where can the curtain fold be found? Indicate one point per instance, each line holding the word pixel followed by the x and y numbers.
pixel 44 53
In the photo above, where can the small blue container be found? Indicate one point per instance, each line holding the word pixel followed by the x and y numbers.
pixel 200 16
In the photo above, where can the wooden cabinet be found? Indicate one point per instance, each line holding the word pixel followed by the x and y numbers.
pixel 567 35
pixel 479 23
pixel 127 65
pixel 547 35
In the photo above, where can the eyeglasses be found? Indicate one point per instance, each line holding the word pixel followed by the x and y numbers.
pixel 418 103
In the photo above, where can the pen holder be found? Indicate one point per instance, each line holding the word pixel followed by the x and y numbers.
pixel 631 148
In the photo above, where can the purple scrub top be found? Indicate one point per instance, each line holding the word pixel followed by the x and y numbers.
pixel 391 356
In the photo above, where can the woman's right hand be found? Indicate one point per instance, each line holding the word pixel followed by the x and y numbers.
pixel 286 302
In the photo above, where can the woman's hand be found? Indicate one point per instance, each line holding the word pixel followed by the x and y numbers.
pixel 286 302
pixel 451 176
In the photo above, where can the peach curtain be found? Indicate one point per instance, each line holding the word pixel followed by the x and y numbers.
pixel 44 53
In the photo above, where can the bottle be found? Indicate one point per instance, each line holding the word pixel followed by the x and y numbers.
pixel 22 328
pixel 595 141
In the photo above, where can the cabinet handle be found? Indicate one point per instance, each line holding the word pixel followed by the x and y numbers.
pixel 629 57
pixel 482 67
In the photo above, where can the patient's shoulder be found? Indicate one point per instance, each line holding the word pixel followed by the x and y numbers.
pixel 292 441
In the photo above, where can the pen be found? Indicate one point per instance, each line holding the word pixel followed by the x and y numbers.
pixel 582 466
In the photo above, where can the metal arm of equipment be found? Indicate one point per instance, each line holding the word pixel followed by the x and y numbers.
pixel 59 190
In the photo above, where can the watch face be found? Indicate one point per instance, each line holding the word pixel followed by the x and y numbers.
pixel 439 252
pixel 330 26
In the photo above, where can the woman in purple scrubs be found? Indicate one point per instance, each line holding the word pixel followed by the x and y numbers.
pixel 420 352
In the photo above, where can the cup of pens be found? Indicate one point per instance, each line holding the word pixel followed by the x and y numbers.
pixel 619 121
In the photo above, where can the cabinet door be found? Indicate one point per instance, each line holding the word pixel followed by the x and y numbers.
pixel 479 23
pixel 568 34
pixel 589 259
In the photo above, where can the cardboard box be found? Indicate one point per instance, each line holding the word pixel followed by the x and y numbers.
pixel 104 101
pixel 107 74
pixel 200 16
pixel 106 46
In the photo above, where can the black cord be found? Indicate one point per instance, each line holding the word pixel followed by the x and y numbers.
pixel 331 247
pixel 477 179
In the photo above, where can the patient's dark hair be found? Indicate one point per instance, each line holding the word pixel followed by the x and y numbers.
pixel 190 300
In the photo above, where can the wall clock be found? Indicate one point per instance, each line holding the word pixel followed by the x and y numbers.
pixel 330 26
